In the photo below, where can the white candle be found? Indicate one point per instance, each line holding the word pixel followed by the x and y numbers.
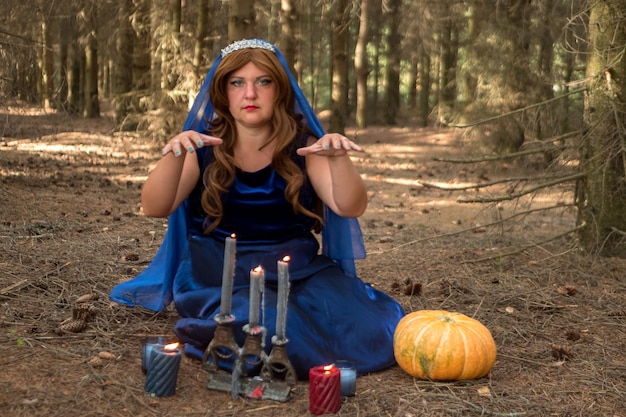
pixel 347 371
pixel 283 295
pixel 257 279
pixel 228 273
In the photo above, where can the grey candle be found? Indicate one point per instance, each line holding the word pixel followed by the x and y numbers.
pixel 163 371
pixel 257 279
pixel 283 296
pixel 228 273
pixel 149 344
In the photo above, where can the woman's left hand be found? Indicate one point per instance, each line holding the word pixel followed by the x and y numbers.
pixel 331 144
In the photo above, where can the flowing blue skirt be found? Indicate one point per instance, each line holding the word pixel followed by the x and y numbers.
pixel 330 315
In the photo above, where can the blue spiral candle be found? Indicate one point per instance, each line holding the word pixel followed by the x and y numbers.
pixel 163 370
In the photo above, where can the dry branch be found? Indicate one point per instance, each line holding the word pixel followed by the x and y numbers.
pixel 491 158
pixel 482 226
pixel 522 193
pixel 523 248
pixel 12 287
pixel 483 184
pixel 531 106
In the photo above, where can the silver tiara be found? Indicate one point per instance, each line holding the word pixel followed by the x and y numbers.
pixel 248 43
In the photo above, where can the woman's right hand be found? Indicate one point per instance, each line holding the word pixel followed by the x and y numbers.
pixel 173 178
pixel 189 141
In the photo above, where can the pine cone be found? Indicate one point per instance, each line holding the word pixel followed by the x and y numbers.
pixel 71 326
pixel 84 312
pixel 96 362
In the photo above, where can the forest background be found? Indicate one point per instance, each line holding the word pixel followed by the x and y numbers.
pixel 524 99
pixel 518 73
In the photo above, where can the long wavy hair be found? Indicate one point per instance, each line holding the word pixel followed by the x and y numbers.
pixel 286 125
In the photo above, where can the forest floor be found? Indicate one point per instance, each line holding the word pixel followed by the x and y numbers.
pixel 71 225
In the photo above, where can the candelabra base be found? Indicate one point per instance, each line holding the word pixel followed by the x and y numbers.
pixel 251 387
pixel 222 347
pixel 277 365
pixel 276 378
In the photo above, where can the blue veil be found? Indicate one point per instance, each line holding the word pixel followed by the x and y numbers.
pixel 342 240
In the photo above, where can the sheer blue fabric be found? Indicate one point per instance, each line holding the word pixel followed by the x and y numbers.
pixel 331 315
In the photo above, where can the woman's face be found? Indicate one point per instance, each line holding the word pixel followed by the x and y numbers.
pixel 251 93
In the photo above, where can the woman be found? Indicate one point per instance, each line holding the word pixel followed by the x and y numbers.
pixel 254 161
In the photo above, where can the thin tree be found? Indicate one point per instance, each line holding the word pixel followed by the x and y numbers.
pixel 241 20
pixel 288 18
pixel 202 32
pixel 361 65
pixel 602 191
pixel 92 102
pixel 339 91
pixel 392 91
pixel 47 63
pixel 123 64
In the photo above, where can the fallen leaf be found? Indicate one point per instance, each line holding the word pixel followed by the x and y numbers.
pixel 484 392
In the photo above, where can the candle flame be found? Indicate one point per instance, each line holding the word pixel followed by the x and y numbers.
pixel 171 347
pixel 234 236
pixel 328 368
pixel 258 269
pixel 286 258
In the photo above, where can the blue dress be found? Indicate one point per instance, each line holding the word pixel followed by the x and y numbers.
pixel 331 315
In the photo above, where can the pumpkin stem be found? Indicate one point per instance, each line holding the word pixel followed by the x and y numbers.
pixel 446 319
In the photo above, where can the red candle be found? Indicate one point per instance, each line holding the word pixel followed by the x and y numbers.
pixel 324 390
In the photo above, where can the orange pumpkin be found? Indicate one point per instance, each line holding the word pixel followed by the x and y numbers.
pixel 443 346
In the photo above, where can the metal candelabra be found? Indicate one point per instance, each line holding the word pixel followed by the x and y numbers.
pixel 276 376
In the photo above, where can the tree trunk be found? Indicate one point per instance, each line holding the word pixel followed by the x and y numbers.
pixel 361 66
pixel 339 91
pixel 467 89
pixel 424 77
pixel 392 95
pixel 376 71
pixel 74 78
pixel 92 104
pixel 64 42
pixel 47 64
pixel 156 69
pixel 123 83
pixel 140 36
pixel 241 20
pixel 449 45
pixel 602 192
pixel 202 32
pixel 287 43
pixel 170 47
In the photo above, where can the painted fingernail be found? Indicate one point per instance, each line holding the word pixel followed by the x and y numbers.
pixel 326 147
pixel 200 143
pixel 177 153
pixel 190 149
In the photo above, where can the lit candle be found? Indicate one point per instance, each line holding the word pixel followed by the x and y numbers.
pixel 347 371
pixel 257 280
pixel 324 390
pixel 228 273
pixel 149 344
pixel 283 296
pixel 163 370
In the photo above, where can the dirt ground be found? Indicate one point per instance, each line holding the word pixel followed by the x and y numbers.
pixel 71 225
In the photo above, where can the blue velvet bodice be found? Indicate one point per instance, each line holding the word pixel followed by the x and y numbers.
pixel 255 208
pixel 265 224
